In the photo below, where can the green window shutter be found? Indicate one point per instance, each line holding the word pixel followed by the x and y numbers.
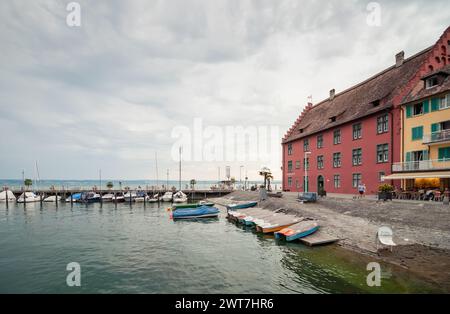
pixel 441 153
pixel 408 111
pixel 408 157
pixel 417 133
pixel 426 106
pixel 435 104
pixel 436 127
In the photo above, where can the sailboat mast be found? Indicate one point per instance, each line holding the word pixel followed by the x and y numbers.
pixel 180 169
pixel 156 161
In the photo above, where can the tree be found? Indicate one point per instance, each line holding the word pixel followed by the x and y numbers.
pixel 193 183
pixel 109 185
pixel 28 183
pixel 232 181
pixel 267 174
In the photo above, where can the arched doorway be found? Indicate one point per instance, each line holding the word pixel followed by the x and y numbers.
pixel 320 185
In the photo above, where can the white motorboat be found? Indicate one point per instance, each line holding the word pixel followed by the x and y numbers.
pixel 7 194
pixel 180 197
pixel 52 199
pixel 154 198
pixel 141 197
pixel 108 197
pixel 129 195
pixel 28 197
pixel 167 197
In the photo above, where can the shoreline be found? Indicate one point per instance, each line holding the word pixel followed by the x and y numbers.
pixel 421 231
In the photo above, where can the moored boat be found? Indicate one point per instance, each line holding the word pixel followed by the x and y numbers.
pixel 75 197
pixel 141 197
pixel 108 197
pixel 181 206
pixel 180 197
pixel 298 231
pixel 52 199
pixel 167 197
pixel 90 197
pixel 200 212
pixel 28 197
pixel 154 198
pixel 129 197
pixel 7 195
pixel 241 205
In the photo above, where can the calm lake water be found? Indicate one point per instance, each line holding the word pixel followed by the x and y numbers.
pixel 140 250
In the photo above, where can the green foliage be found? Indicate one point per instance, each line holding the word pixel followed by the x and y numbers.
pixel 28 182
pixel 109 185
pixel 385 188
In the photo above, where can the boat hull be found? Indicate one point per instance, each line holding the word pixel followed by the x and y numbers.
pixel 242 206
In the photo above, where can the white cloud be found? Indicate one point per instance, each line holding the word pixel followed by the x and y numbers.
pixel 108 94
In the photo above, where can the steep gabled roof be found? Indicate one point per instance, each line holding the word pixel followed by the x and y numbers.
pixel 357 101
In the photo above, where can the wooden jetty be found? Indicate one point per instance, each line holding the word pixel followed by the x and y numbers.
pixel 319 238
pixel 193 195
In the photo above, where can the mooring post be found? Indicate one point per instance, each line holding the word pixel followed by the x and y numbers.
pixel 56 199
pixel 115 200
pixel 24 199
pixel 40 198
pixel 7 196
pixel 71 199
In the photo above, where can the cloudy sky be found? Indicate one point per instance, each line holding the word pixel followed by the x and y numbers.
pixel 137 74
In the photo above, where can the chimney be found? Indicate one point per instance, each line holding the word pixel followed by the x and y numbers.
pixel 399 58
pixel 332 93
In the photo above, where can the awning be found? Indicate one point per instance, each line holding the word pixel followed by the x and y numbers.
pixel 418 175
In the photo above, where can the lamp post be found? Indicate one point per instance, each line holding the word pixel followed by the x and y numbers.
pixel 306 181
pixel 240 177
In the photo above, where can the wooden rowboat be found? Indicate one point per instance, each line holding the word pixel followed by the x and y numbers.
pixel 298 231
pixel 278 224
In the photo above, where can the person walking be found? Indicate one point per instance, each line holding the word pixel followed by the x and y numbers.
pixel 361 190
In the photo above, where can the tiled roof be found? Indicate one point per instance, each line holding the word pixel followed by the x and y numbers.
pixel 357 102
pixel 422 93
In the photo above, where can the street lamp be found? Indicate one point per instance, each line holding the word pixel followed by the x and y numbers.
pixel 240 177
pixel 306 181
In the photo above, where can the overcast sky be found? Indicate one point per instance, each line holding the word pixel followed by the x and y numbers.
pixel 110 93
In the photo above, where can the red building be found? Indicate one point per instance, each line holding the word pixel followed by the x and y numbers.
pixel 353 136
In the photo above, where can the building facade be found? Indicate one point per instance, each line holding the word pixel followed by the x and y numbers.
pixel 425 138
pixel 357 136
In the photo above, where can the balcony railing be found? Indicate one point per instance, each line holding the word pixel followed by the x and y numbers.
pixel 423 165
pixel 437 137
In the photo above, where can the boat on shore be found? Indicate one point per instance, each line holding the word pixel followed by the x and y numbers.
pixel 7 195
pixel 167 197
pixel 277 224
pixel 241 205
pixel 28 197
pixel 200 212
pixel 180 197
pixel 298 231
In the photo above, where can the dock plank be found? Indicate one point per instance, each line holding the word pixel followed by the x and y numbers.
pixel 319 238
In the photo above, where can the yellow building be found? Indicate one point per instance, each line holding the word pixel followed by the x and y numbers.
pixel 426 136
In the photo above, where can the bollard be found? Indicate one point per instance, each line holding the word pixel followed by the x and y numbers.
pixel 7 201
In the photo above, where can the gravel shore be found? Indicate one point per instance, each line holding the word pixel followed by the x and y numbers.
pixel 421 230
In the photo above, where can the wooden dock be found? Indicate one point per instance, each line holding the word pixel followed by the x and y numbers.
pixel 319 238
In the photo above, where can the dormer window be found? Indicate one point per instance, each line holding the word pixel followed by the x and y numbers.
pixel 376 103
pixel 333 119
pixel 301 130
pixel 431 82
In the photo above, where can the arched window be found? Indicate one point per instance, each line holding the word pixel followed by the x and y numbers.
pixel 430 68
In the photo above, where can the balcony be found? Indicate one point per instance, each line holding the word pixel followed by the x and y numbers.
pixel 437 137
pixel 424 165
